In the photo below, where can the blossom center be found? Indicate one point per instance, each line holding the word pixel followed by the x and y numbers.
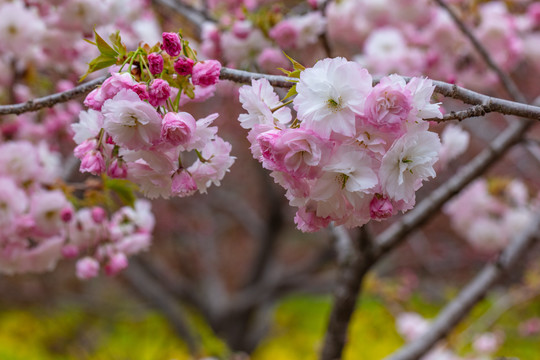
pixel 334 105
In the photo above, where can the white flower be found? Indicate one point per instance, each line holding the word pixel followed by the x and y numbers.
pixel 258 99
pixel 422 89
pixel 131 122
pixel 330 94
pixel 89 125
pixel 408 162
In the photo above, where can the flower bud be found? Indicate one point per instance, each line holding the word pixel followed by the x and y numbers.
pixel 155 63
pixel 70 251
pixel 66 214
pixel 184 66
pixel 98 214
pixel 117 263
pixel 159 92
pixel 171 44
pixel 178 128
pixel 206 73
pixel 87 268
pixel 117 169
pixel 380 207
pixel 93 163
pixel 183 184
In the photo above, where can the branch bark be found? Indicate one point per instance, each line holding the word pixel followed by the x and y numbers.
pixel 507 82
pixel 456 310
pixel 349 282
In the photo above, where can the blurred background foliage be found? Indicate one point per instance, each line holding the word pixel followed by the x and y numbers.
pixel 119 328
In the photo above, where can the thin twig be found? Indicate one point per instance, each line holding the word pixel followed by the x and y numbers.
pixel 506 80
pixel 458 308
pixel 349 281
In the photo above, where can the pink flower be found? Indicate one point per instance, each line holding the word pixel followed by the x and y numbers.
pixel 388 105
pixel 171 44
pixel 117 169
pixel 299 152
pixel 380 207
pixel 46 208
pixel 159 92
pixel 70 251
pixel 93 163
pixel 206 73
pixel 307 220
pixel 141 90
pixel 87 268
pixel 66 214
pixel 285 34
pixel 183 184
pixel 131 122
pixel 178 128
pixel 98 214
pixel 184 66
pixel 117 263
pixel 84 148
pixel 155 63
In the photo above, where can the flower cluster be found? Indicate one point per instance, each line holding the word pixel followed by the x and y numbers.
pixel 488 214
pixel 355 152
pixel 47 39
pixel 134 128
pixel 38 225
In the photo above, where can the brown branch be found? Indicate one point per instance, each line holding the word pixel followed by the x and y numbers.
pixel 458 308
pixel 51 100
pixel 428 207
pixel 487 103
pixel 196 17
pixel 506 81
pixel 349 282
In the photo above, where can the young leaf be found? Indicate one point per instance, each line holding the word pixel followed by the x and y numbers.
pixel 104 48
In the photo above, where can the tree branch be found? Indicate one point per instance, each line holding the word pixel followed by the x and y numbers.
pixel 485 103
pixel 456 310
pixel 428 207
pixel 506 80
pixel 196 17
pixel 51 100
pixel 349 281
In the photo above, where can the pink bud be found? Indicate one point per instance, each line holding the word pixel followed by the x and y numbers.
pixel 184 66
pixel 178 128
pixel 206 73
pixel 93 163
pixel 242 29
pixel 155 63
pixel 98 214
pixel 70 251
pixel 171 44
pixel 380 207
pixel 117 169
pixel 159 92
pixel 85 147
pixel 183 184
pixel 117 263
pixel 140 89
pixel 87 268
pixel 66 214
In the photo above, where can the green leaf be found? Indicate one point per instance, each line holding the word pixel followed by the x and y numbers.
pixel 125 189
pixel 296 64
pixel 101 62
pixel 104 48
pixel 118 45
pixel 291 92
